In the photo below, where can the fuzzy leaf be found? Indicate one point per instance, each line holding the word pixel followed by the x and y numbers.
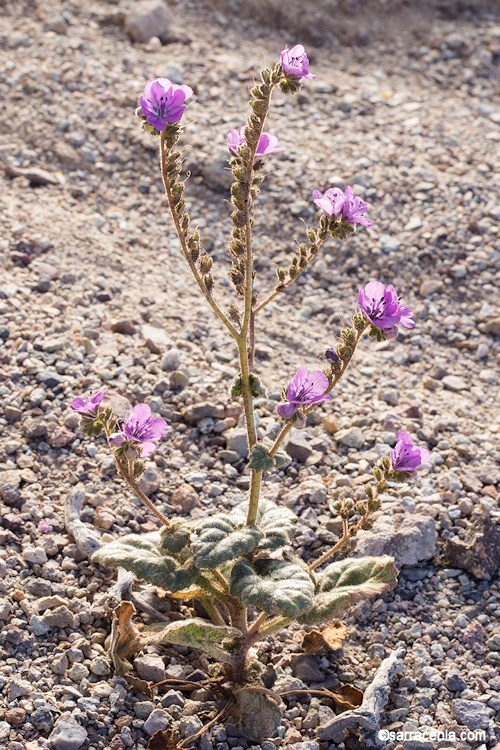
pixel 218 641
pixel 175 541
pixel 259 459
pixel 142 555
pixel 260 712
pixel 348 582
pixel 276 586
pixel 275 521
pixel 219 539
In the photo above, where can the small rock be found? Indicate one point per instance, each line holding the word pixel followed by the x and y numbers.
pixel 5 730
pixel 186 498
pixel 237 441
pixel 390 396
pixel 173 698
pixel 148 19
pixel 197 412
pixel 330 424
pixel 143 709
pixel 455 683
pixel 125 327
pixel 150 479
pixel 158 719
pixel 5 609
pixel 171 360
pixel 78 672
pixel 67 734
pixel 217 175
pixel 12 413
pixel 491 326
pixel 190 725
pixel 306 669
pixel 299 448
pixel 352 437
pixel 415 222
pixel 150 668
pixel 15 716
pixel 473 714
pixel 35 555
pixel 480 554
pixel 100 666
pixel 156 338
pixel 42 719
pixel 60 617
pixel 59 664
pixel 455 383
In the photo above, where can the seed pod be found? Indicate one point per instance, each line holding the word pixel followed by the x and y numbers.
pixel 206 264
pixel 281 274
pixel 209 283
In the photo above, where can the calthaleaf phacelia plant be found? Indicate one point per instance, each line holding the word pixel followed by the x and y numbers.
pixel 240 565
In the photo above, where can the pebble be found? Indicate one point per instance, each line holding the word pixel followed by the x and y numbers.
pixel 158 719
pixel 237 441
pixel 352 437
pixel 171 360
pixel 473 714
pixel 186 498
pixel 150 668
pixel 67 734
pixel 148 19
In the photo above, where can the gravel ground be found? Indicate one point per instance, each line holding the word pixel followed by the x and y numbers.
pixel 94 294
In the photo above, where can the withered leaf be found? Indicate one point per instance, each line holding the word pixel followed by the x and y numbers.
pixel 346 698
pixel 142 686
pixel 125 637
pixel 331 637
pixel 164 739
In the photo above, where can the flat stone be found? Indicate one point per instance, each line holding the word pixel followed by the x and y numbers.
pixel 455 383
pixel 197 412
pixel 409 538
pixel 156 338
pixel 330 424
pixel 35 555
pixel 306 669
pixel 125 327
pixel 60 617
pixel 158 720
pixel 352 437
pixel 150 668
pixel 12 413
pixel 17 688
pixel 491 326
pixel 67 734
pixel 473 714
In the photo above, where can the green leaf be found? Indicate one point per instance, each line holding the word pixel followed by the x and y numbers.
pixel 348 582
pixel 275 521
pixel 218 641
pixel 142 556
pixel 175 540
pixel 260 712
pixel 275 586
pixel 259 459
pixel 219 539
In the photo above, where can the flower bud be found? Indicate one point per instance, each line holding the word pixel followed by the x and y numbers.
pixel 206 264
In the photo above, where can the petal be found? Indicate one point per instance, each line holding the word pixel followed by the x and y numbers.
pixel 285 410
pixel 156 428
pixel 147 449
pixel 117 439
pixel 374 290
pixel 297 51
pixel 424 455
pixel 80 404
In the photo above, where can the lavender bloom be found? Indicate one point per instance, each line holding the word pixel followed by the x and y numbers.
pixel 44 527
pixel 406 456
pixel 381 306
pixel 141 428
pixel 295 62
pixel 304 389
pixel 331 356
pixel 267 143
pixel 354 207
pixel 163 102
pixel 335 202
pixel 88 405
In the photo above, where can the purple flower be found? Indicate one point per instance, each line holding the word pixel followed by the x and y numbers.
pixel 335 202
pixel 406 456
pixel 304 389
pixel 267 143
pixel 382 308
pixel 295 62
pixel 354 207
pixel 88 405
pixel 141 428
pixel 44 527
pixel 163 102
pixel 331 356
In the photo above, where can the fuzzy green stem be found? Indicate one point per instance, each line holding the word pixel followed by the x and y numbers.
pixel 346 535
pixel 272 626
pixel 254 495
pixel 212 611
pixel 182 239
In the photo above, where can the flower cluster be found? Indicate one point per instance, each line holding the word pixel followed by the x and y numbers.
pixel 335 202
pixel 140 428
pixel 381 307
pixel 268 144
pixel 163 102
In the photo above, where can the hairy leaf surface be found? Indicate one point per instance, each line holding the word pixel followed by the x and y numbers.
pixel 275 586
pixel 218 641
pixel 276 522
pixel 219 539
pixel 141 554
pixel 348 582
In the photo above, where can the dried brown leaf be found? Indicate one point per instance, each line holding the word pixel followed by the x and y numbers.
pixel 331 637
pixel 142 686
pixel 164 739
pixel 125 637
pixel 347 697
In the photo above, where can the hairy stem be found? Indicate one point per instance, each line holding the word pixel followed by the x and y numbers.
pixel 212 610
pixel 182 239
pixel 346 535
pixel 271 626
pixel 253 502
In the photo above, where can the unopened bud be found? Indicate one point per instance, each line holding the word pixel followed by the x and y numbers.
pixel 206 264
